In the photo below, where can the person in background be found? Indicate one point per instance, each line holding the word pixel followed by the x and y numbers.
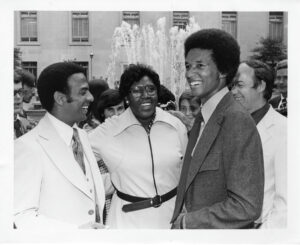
pixel 222 178
pixel 143 149
pixel 21 124
pixel 28 84
pixel 166 99
pixel 279 103
pixel 252 87
pixel 184 104
pixel 57 184
pixel 96 87
pixel 110 104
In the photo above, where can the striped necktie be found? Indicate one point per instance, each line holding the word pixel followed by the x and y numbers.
pixel 77 149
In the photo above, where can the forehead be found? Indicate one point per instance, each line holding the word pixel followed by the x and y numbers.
pixel 143 81
pixel 185 102
pixel 281 72
pixel 245 73
pixel 198 54
pixel 77 80
pixel 17 86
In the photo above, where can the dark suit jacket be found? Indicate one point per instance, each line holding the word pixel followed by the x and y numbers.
pixel 223 184
pixel 275 103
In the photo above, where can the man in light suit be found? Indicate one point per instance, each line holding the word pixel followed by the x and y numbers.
pixel 57 184
pixel 252 87
pixel 222 179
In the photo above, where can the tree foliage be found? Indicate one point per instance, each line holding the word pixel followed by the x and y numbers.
pixel 270 51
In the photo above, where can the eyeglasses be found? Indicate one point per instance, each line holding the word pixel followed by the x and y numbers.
pixel 138 91
pixel 19 91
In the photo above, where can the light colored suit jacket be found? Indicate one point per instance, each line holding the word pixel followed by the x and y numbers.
pixel 222 185
pixel 50 189
pixel 273 133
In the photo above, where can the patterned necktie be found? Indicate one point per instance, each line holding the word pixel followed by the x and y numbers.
pixel 77 149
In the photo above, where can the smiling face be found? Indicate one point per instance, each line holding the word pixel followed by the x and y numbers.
pixel 202 74
pixel 243 90
pixel 78 99
pixel 143 99
pixel 185 108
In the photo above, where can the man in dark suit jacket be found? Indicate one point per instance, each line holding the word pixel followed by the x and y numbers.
pixel 222 179
pixel 279 103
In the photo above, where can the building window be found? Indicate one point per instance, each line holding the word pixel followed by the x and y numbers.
pixel 181 19
pixel 229 23
pixel 131 17
pixel 30 66
pixel 80 27
pixel 85 66
pixel 29 26
pixel 276 25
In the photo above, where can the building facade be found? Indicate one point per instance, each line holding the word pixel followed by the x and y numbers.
pixel 85 37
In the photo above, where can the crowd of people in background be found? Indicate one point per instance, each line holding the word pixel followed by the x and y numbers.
pixel 136 156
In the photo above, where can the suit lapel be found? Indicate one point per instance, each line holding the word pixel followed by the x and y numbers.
pixel 61 156
pixel 208 137
pixel 205 142
pixel 265 126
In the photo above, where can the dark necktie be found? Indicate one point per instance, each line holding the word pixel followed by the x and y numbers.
pixel 18 128
pixel 194 133
pixel 77 149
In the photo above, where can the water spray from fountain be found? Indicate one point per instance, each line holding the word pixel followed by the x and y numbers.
pixel 161 50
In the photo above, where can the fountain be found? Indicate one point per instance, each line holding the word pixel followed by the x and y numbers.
pixel 163 51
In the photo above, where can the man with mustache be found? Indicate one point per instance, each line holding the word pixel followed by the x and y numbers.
pixel 57 184
pixel 252 87
pixel 222 179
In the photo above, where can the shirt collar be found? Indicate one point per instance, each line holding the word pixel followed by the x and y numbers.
pixel 128 119
pixel 210 105
pixel 260 113
pixel 63 130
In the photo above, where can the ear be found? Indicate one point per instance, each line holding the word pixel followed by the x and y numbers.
pixel 127 100
pixel 59 98
pixel 261 87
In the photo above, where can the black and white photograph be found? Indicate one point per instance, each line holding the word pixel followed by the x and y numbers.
pixel 138 122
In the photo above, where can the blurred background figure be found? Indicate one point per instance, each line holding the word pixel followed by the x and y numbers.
pixel 279 103
pixel 28 84
pixel 166 99
pixel 96 87
pixel 21 124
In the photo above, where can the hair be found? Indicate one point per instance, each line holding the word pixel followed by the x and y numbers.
pixel 282 65
pixel 17 77
pixel 225 49
pixel 108 98
pixel 262 72
pixel 27 78
pixel 55 78
pixel 186 95
pixel 166 99
pixel 134 73
pixel 96 87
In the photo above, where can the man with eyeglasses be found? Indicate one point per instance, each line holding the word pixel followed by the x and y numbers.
pixel 21 124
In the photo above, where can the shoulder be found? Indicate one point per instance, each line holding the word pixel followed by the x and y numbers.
pixel 168 118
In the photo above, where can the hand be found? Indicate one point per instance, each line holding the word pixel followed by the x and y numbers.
pixel 177 224
pixel 92 225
